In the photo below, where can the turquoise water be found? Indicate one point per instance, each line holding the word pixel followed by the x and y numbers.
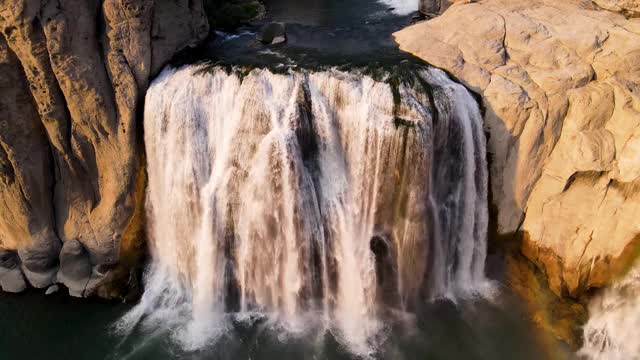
pixel 59 327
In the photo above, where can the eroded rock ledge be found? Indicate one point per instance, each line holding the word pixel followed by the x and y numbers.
pixel 72 79
pixel 560 81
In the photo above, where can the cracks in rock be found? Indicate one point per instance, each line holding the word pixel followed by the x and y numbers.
pixel 606 192
pixel 152 18
pixel 9 172
pixel 504 37
pixel 584 250
pixel 54 171
pixel 100 36
pixel 86 284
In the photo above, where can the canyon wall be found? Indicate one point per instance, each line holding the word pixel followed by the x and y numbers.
pixel 72 81
pixel 560 81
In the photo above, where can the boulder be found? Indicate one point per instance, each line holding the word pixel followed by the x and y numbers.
pixel 74 262
pixel 560 82
pixel 75 267
pixel 272 33
pixel 12 280
pixel 34 269
pixel 52 290
pixel 11 277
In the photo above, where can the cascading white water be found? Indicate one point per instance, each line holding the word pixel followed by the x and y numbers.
pixel 402 7
pixel 321 200
pixel 614 318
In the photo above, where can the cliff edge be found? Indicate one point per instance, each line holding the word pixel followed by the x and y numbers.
pixel 73 74
pixel 560 81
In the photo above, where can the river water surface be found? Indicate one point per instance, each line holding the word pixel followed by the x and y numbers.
pixel 57 327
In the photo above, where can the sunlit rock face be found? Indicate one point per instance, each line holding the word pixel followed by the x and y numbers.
pixel 324 199
pixel 560 83
pixel 629 8
pixel 73 75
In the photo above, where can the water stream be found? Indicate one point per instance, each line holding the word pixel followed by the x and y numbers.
pixel 320 200
pixel 614 317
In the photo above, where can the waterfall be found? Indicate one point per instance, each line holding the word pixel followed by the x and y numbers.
pixel 614 316
pixel 318 199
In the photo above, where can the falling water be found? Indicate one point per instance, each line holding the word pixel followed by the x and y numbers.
pixel 402 7
pixel 318 199
pixel 614 317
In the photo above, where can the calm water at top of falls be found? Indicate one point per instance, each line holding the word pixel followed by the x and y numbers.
pixel 334 32
pixel 337 12
pixel 319 33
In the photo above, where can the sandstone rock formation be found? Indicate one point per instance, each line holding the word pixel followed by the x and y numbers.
pixel 72 79
pixel 560 81
pixel 630 8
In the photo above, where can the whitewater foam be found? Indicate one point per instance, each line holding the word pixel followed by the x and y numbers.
pixel 323 201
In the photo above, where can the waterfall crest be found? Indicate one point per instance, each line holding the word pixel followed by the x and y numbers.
pixel 319 199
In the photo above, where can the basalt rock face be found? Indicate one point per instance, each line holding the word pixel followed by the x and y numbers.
pixel 560 82
pixel 72 79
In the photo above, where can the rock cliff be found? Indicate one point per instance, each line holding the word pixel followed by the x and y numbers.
pixel 434 7
pixel 73 74
pixel 560 81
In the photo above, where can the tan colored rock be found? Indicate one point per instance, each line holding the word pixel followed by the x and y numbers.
pixel 26 175
pixel 561 85
pixel 88 64
pixel 629 8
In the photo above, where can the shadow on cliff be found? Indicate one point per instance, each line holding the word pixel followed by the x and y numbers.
pixel 560 319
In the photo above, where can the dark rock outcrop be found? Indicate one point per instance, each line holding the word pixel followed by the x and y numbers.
pixel 272 33
pixel 435 7
pixel 230 14
pixel 11 278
